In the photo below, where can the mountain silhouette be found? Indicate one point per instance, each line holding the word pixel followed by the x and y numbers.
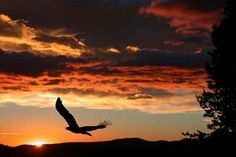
pixel 128 147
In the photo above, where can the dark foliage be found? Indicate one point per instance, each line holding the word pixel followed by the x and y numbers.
pixel 219 101
pixel 197 135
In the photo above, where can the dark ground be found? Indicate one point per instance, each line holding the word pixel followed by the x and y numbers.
pixel 220 146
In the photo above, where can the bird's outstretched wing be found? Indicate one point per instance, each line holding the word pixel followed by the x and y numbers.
pixel 101 125
pixel 66 114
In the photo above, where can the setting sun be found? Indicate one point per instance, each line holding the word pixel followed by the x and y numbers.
pixel 38 143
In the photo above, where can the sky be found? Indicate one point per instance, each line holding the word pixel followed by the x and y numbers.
pixel 138 63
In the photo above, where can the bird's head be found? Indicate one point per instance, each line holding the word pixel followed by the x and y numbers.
pixel 59 100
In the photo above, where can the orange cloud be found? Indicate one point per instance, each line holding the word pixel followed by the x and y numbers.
pixel 167 86
pixel 133 48
pixel 187 17
pixel 113 50
pixel 16 36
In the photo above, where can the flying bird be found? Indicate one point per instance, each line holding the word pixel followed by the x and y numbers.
pixel 73 126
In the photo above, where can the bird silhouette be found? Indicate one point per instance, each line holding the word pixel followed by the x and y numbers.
pixel 73 126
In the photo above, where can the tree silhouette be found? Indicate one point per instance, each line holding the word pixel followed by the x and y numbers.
pixel 219 100
pixel 197 135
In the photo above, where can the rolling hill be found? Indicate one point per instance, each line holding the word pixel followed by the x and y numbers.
pixel 126 147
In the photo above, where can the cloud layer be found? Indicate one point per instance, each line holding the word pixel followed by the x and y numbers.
pixel 95 82
pixel 106 51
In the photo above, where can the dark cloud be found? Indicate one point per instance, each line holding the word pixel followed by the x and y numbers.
pixel 156 92
pixel 65 40
pixel 111 63
pixel 115 2
pixel 146 57
pixel 32 65
pixel 133 2
pixel 200 5
pixel 28 64
pixel 88 91
pixel 99 23
pixel 99 70
pixel 108 81
pixel 123 88
pixel 156 58
pixel 82 80
pixel 140 80
pixel 54 82
pixel 192 39
pixel 33 83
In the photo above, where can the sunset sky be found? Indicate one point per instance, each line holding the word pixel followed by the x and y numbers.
pixel 138 63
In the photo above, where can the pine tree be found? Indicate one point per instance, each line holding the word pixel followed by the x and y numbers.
pixel 219 100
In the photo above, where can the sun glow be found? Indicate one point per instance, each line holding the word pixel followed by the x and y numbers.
pixel 38 143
